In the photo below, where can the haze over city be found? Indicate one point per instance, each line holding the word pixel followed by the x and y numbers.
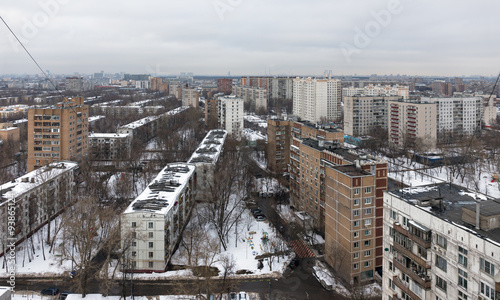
pixel 446 38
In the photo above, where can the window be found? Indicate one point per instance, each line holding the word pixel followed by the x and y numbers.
pixel 134 253
pixel 441 241
pixel 356 223
pixel 462 256
pixel 356 191
pixel 150 234
pixel 356 201
pixel 368 211
pixel 134 235
pixel 134 244
pixel 356 234
pixel 487 291
pixel 462 295
pixel 368 243
pixel 150 225
pixel 368 222
pixel 367 264
pixel 356 266
pixel 134 224
pixel 150 254
pixel 368 232
pixel 356 212
pixel 368 201
pixel 356 255
pixel 150 264
pixel 368 190
pixel 368 252
pixel 487 267
pixel 462 278
pixel 150 244
pixel 356 244
pixel 441 263
pixel 391 285
pixel 441 283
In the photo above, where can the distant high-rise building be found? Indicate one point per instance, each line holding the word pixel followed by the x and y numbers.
pixel 442 88
pixel 257 97
pixel 190 97
pixel 230 115
pixel 57 133
pixel 225 85
pixel 281 88
pixel 377 90
pixel 255 81
pixel 74 84
pixel 317 99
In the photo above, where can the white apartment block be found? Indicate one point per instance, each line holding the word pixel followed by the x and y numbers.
pixel 314 99
pixel 35 198
pixel 408 121
pixel 230 114
pixel 441 242
pixel 204 158
pixel 378 90
pixel 190 97
pixel 152 224
pixel 256 96
pixel 363 113
pixel 460 116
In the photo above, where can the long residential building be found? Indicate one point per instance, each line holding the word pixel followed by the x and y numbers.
pixel 317 100
pixel 281 88
pixel 204 158
pixel 35 198
pixel 110 146
pixel 365 113
pixel 153 223
pixel 441 242
pixel 257 97
pixel 57 133
pixel 377 91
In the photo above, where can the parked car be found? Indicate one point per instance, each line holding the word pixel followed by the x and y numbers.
pixel 51 291
pixel 63 295
pixel 255 211
pixel 294 263
pixel 260 218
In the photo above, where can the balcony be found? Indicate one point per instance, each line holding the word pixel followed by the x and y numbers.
pixel 425 281
pixel 422 242
pixel 405 288
pixel 412 256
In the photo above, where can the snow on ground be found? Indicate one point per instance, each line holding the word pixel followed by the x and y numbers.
pixel 252 135
pixel 403 170
pixel 329 282
pixel 39 266
pixel 267 185
pixel 260 159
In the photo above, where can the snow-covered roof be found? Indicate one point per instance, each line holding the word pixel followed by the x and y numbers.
pixel 20 121
pixel 33 179
pixel 95 118
pixel 108 135
pixel 162 193
pixel 210 148
pixel 146 120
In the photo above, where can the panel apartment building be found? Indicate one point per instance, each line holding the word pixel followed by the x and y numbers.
pixel 257 97
pixel 230 114
pixel 442 242
pixel 317 99
pixel 152 224
pixel 377 90
pixel 38 197
pixel 57 133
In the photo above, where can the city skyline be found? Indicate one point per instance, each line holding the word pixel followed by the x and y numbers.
pixel 252 37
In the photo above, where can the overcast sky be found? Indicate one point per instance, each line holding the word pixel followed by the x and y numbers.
pixel 257 37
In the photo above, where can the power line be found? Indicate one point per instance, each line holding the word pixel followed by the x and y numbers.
pixel 31 56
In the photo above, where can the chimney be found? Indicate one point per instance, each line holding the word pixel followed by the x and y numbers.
pixel 32 179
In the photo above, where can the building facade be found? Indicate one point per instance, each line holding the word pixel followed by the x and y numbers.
pixel 8 132
pixel 110 146
pixel 378 91
pixel 442 242
pixel 57 133
pixel 190 97
pixel 281 88
pixel 225 85
pixel 230 115
pixel 153 223
pixel 409 121
pixel 35 198
pixel 257 97
pixel 364 113
pixel 317 99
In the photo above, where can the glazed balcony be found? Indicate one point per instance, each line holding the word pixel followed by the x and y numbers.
pixel 424 280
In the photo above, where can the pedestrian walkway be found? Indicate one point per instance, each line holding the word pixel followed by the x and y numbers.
pixel 301 249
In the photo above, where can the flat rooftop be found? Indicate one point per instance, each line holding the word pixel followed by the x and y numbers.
pixel 315 126
pixel 453 197
pixel 161 194
pixel 351 170
pixel 210 148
